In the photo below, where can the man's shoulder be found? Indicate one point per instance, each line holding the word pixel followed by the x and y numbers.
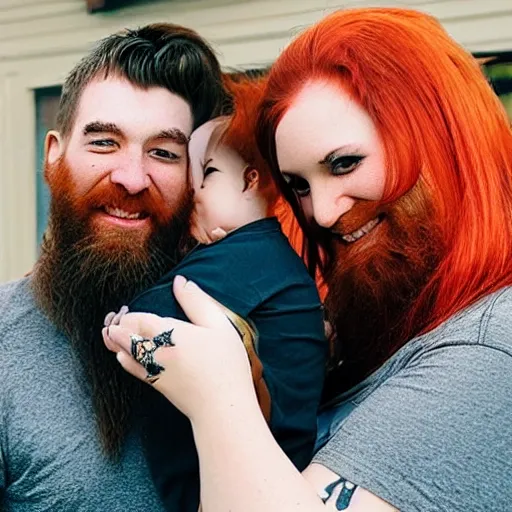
pixel 17 307
pixel 14 295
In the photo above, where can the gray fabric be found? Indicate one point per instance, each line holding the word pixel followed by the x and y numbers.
pixel 431 430
pixel 50 458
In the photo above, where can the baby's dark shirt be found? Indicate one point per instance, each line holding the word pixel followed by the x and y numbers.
pixel 254 272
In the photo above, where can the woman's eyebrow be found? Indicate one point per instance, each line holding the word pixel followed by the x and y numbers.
pixel 347 149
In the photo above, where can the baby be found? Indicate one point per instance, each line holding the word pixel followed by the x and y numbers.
pixel 245 262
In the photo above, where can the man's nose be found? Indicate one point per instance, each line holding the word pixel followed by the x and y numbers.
pixel 328 206
pixel 131 175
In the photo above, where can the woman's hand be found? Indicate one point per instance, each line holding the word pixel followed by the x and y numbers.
pixel 207 365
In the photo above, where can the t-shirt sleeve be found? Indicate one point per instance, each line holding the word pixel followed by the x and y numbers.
pixel 217 269
pixel 158 301
pixel 434 436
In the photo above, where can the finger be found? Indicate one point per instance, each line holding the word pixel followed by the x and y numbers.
pixel 117 318
pixel 328 329
pixel 200 308
pixel 109 318
pixel 132 366
pixel 146 324
pixel 218 234
pixel 119 338
pixel 108 342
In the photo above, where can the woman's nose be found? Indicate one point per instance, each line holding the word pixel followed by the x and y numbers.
pixel 328 206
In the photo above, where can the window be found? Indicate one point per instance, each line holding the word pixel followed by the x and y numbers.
pixel 498 68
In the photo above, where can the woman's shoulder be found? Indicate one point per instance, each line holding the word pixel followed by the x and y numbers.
pixel 487 322
pixel 496 324
pixel 440 406
pixel 484 328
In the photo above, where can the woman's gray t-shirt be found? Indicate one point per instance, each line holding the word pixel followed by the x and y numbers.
pixel 431 430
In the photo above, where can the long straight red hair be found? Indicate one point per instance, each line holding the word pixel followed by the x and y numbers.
pixel 440 123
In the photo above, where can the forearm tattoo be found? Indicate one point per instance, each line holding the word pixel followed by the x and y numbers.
pixel 341 490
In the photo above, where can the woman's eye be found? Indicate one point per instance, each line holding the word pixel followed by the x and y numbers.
pixel 209 170
pixel 299 185
pixel 163 154
pixel 345 164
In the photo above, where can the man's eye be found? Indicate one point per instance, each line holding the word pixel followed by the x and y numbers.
pixel 103 143
pixel 163 154
pixel 345 164
pixel 299 185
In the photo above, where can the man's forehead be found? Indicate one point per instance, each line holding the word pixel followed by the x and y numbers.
pixel 118 101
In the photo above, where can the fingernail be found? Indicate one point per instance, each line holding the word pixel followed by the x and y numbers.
pixel 108 319
pixel 180 281
pixel 190 284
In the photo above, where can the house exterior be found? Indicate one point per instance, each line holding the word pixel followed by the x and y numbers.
pixel 40 40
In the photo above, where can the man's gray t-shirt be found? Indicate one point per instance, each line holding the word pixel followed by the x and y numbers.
pixel 50 457
pixel 431 430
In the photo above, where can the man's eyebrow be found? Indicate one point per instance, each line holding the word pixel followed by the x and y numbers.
pixel 175 134
pixel 101 127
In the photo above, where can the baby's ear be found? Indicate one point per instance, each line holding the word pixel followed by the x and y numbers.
pixel 251 178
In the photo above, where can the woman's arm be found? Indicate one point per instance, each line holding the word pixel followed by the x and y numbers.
pixel 207 376
pixel 243 469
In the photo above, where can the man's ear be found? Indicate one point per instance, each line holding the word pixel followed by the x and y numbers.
pixel 53 150
pixel 251 178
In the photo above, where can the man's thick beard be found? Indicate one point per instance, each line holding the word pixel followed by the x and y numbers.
pixel 82 275
pixel 373 284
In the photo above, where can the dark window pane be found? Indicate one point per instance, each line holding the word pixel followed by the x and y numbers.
pixel 498 68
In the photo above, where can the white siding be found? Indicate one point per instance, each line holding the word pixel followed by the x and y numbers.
pixel 40 40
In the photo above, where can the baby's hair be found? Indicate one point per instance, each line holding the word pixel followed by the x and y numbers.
pixel 239 129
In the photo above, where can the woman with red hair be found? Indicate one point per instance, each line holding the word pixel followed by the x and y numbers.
pixel 396 156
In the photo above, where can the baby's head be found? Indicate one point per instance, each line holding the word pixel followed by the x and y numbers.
pixel 232 184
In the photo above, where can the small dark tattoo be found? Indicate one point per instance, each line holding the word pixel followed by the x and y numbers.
pixel 342 490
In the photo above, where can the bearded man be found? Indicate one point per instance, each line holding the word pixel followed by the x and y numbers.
pixel 120 202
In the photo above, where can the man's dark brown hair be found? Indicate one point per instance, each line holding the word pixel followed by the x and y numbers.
pixel 158 55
